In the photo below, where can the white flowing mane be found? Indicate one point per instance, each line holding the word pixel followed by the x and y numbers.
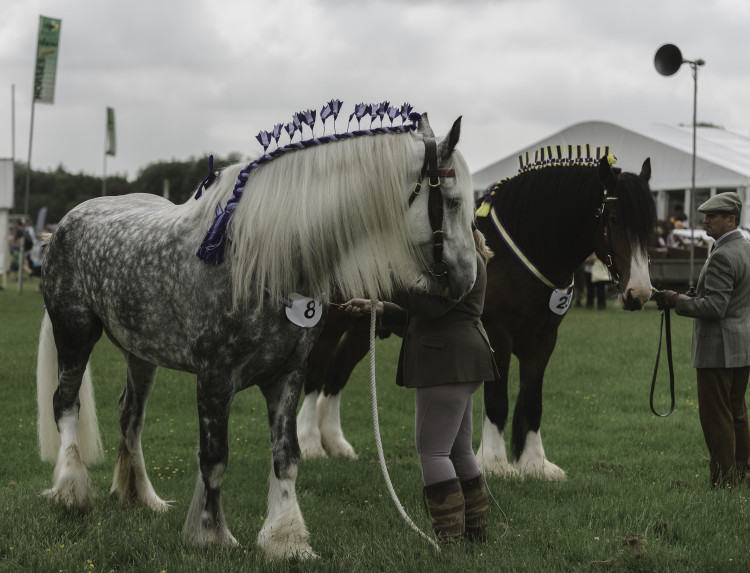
pixel 330 216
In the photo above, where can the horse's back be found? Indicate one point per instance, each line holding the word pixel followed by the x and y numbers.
pixel 105 241
pixel 103 211
pixel 128 262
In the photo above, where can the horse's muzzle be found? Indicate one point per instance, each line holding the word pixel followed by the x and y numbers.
pixel 629 302
pixel 447 293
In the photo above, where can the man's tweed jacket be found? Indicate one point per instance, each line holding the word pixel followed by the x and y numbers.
pixel 721 307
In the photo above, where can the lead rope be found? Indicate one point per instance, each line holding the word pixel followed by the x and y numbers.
pixel 664 321
pixel 376 425
pixel 486 483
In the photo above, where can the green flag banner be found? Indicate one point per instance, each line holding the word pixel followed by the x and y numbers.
pixel 111 143
pixel 48 46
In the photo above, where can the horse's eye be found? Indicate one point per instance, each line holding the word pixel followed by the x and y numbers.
pixel 452 204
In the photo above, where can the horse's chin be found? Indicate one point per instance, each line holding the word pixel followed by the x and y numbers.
pixel 630 302
pixel 447 294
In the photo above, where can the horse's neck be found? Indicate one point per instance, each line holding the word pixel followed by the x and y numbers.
pixel 558 250
pixel 563 255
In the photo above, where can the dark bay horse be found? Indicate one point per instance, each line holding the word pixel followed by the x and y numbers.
pixel 317 217
pixel 541 224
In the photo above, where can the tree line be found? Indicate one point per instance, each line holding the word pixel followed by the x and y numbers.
pixel 60 191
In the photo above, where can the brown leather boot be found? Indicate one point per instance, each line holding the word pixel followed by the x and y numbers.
pixel 476 505
pixel 445 502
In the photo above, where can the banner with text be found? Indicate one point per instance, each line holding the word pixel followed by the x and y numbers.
pixel 48 46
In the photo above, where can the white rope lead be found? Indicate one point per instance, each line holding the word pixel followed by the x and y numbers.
pixel 376 425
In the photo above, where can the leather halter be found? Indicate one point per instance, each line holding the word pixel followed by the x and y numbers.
pixel 430 170
pixel 603 213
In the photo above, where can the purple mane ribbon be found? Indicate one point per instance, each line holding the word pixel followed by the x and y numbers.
pixel 214 243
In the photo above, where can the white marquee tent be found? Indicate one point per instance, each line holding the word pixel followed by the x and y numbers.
pixel 722 160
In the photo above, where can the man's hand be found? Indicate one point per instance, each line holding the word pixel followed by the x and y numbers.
pixel 665 298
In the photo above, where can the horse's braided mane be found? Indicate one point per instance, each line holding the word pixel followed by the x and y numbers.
pixel 545 182
pixel 331 216
pixel 213 245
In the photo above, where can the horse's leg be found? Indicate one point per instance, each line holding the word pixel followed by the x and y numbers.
pixel 284 533
pixel 205 521
pixel 131 482
pixel 491 454
pixel 76 333
pixel 308 433
pixel 352 347
pixel 526 439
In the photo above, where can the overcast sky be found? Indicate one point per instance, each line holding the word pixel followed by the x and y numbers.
pixel 188 77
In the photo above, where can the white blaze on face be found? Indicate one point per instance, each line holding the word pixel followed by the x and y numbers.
pixel 639 285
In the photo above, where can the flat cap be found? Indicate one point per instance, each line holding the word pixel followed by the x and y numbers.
pixel 728 202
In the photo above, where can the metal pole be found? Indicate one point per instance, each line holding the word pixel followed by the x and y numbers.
pixel 106 145
pixel 13 122
pixel 21 253
pixel 104 175
pixel 693 215
pixel 6 251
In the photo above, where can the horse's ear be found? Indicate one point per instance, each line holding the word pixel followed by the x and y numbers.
pixel 645 173
pixel 424 127
pixel 449 143
pixel 607 176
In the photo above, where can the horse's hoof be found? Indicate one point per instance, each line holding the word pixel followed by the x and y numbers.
pixel 159 505
pixel 211 537
pixel 553 473
pixel 340 448
pixel 229 541
pixel 312 450
pixel 303 553
pixel 500 469
pixel 547 471
pixel 57 497
pixel 306 553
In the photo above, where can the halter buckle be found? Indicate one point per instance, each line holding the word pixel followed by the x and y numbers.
pixel 439 269
pixel 437 242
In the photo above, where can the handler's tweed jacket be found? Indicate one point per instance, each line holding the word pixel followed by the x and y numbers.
pixel 721 308
pixel 444 342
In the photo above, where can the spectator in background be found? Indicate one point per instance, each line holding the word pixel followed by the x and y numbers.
pixel 29 236
pixel 679 219
pixel 18 234
pixel 670 239
pixel 596 286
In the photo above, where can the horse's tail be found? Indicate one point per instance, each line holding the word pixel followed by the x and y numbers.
pixel 89 439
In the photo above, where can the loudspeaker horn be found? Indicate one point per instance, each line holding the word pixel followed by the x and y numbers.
pixel 668 59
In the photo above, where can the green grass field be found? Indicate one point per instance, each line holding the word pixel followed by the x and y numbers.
pixel 636 497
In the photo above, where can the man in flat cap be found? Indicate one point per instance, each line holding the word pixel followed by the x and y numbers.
pixel 720 348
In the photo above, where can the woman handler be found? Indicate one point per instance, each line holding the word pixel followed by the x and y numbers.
pixel 445 356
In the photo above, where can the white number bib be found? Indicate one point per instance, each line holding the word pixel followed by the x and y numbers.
pixel 304 311
pixel 559 302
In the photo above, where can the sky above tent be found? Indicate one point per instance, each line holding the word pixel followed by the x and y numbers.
pixel 191 77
